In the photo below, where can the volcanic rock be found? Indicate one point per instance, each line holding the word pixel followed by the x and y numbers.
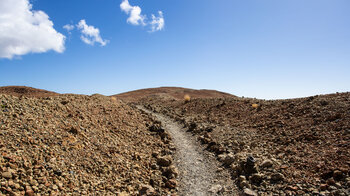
pixel 266 163
pixel 164 161
pixel 7 175
pixel 249 192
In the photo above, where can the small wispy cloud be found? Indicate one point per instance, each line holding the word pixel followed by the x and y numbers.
pixel 90 34
pixel 136 18
pixel 157 23
pixel 68 27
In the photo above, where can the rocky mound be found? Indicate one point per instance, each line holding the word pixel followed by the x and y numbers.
pixel 80 145
pixel 296 146
pixel 170 93
pixel 26 91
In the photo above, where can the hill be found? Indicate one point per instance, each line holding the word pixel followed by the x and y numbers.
pixel 77 145
pixel 300 146
pixel 26 91
pixel 176 93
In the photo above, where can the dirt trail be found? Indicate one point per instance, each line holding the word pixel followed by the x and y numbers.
pixel 198 171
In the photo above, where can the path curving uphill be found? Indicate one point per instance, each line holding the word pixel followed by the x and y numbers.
pixel 198 172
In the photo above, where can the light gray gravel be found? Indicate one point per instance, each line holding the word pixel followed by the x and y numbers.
pixel 198 169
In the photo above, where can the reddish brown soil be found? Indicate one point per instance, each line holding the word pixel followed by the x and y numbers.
pixel 169 93
pixel 308 139
pixel 79 145
pixel 26 91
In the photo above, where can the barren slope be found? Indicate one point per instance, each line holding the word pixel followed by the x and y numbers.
pixel 26 91
pixel 301 146
pixel 169 93
pixel 75 144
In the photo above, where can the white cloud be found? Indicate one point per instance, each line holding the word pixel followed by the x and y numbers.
pixel 90 34
pixel 23 30
pixel 68 27
pixel 134 13
pixel 157 23
pixel 136 18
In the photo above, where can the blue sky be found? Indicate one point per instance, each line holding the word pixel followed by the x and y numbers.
pixel 253 48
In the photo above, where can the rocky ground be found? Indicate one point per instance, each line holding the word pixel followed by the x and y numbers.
pixel 79 145
pixel 26 91
pixel 281 147
pixel 53 144
pixel 198 173
pixel 169 92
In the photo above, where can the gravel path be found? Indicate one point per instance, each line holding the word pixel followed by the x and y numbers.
pixel 198 171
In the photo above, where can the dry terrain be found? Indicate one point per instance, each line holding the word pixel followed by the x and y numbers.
pixel 283 147
pixel 26 91
pixel 171 93
pixel 199 173
pixel 79 145
pixel 169 140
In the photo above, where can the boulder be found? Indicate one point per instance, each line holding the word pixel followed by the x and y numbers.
pixel 266 163
pixel 249 192
pixel 7 175
pixel 277 177
pixel 164 161
pixel 227 159
pixel 256 178
pixel 170 172
pixel 171 184
pixel 146 190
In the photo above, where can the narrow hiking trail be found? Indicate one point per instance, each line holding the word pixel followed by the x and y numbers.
pixel 199 173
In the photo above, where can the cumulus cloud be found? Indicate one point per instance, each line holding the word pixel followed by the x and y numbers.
pixel 157 22
pixel 90 34
pixel 68 27
pixel 136 18
pixel 134 13
pixel 23 30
